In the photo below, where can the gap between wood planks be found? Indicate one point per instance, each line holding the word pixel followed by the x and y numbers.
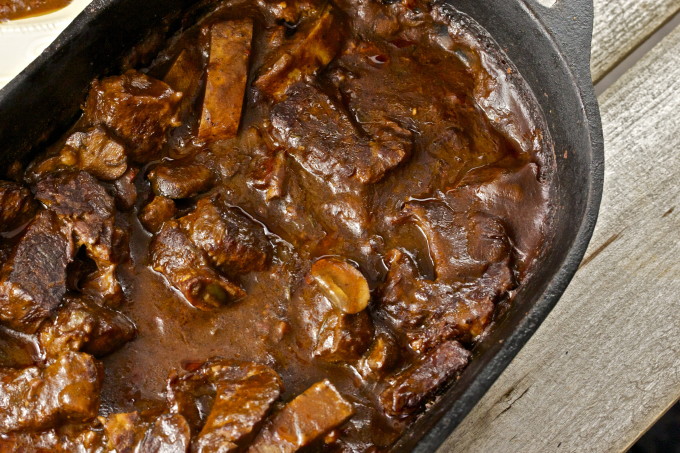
pixel 636 54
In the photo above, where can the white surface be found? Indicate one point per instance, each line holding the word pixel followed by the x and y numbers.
pixel 21 41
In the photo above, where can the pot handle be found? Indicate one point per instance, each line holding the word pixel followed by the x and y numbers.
pixel 570 23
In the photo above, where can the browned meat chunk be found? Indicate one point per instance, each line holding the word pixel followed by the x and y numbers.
pixel 147 432
pixel 514 194
pixel 81 201
pixel 226 81
pixel 310 415
pixel 184 76
pixel 238 395
pixel 16 205
pixel 420 381
pixel 33 279
pixel 124 190
pixel 233 242
pixel 96 152
pixel 429 312
pixel 178 179
pixel 454 236
pixel 138 108
pixel 36 399
pixel 185 267
pixel 156 213
pixel 69 438
pixel 323 139
pixel 83 325
pixel 312 47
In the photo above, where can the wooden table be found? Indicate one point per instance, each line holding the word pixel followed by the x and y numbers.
pixel 605 365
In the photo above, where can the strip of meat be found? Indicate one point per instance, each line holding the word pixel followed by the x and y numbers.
pixel 96 152
pixel 147 432
pixel 138 108
pixel 33 279
pixel 241 395
pixel 177 179
pixel 312 47
pixel 310 415
pixel 420 381
pixel 37 399
pixel 233 242
pixel 185 267
pixel 226 81
pixel 83 325
pixel 16 205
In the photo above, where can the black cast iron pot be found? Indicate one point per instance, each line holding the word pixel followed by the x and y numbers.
pixel 549 46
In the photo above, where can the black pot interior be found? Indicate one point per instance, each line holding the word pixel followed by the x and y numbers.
pixel 44 100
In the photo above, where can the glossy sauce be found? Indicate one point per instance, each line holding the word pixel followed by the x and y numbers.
pixel 19 9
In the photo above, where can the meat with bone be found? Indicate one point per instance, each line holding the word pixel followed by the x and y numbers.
pixel 185 267
pixel 36 398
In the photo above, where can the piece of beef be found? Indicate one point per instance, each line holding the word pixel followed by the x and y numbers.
pixel 139 109
pixel 33 279
pixel 313 46
pixel 185 267
pixel 316 411
pixel 158 211
pixel 125 191
pixel 185 76
pixel 326 143
pixel 325 332
pixel 178 179
pixel 410 389
pixel 149 432
pixel 233 242
pixel 97 152
pixel 226 80
pixel 512 193
pixel 66 438
pixel 37 399
pixel 82 202
pixel 427 312
pixel 224 401
pixel 16 205
pixel 452 237
pixel 81 324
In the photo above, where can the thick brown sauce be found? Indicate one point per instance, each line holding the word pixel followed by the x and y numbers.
pixel 466 110
pixel 19 9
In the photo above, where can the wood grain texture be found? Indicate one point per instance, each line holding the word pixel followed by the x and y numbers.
pixel 606 362
pixel 621 25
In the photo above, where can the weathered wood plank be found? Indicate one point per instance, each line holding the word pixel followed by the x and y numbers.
pixel 622 25
pixel 606 362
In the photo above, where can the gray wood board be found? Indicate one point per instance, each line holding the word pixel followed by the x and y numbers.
pixel 606 362
pixel 622 25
